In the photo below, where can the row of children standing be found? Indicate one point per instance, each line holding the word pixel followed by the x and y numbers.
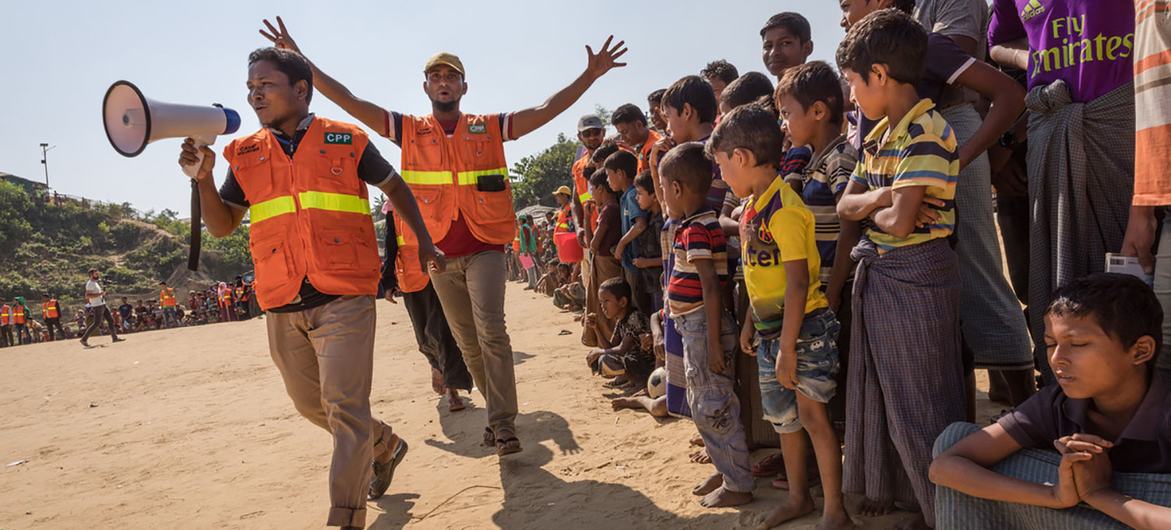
pixel 836 233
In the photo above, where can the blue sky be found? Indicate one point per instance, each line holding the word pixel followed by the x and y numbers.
pixel 59 61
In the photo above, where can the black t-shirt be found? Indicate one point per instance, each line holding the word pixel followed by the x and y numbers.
pixel 125 310
pixel 373 169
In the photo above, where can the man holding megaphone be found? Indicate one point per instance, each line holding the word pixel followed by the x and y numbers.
pixel 302 180
pixel 455 163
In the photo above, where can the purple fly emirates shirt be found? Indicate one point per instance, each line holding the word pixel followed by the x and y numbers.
pixel 1087 43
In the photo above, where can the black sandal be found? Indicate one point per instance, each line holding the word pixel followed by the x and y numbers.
pixel 508 445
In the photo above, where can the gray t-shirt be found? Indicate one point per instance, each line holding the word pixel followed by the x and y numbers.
pixel 956 18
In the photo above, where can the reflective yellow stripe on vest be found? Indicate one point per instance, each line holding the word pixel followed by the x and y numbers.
pixel 401 242
pixel 585 197
pixel 471 178
pixel 334 202
pixel 431 178
pixel 271 208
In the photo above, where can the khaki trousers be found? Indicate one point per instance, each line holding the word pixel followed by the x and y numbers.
pixel 471 291
pixel 326 358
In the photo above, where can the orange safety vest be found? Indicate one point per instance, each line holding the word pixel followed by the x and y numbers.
pixel 309 214
pixel 411 278
pixel 5 315
pixel 50 309
pixel 644 154
pixel 581 186
pixel 167 297
pixel 447 176
pixel 563 219
pixel 18 315
pixel 239 292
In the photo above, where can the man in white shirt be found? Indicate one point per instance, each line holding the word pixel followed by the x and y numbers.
pixel 95 305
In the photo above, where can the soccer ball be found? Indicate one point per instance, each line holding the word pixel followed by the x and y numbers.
pixel 656 384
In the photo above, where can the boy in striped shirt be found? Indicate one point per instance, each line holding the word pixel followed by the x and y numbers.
pixel 695 292
pixel 905 374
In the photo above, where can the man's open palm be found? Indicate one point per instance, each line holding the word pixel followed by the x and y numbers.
pixel 606 58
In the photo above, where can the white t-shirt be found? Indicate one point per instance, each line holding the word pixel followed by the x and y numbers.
pixel 94 301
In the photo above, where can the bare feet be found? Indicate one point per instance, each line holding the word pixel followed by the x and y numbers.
pixel 723 498
pixel 696 440
pixel 708 485
pixel 625 403
pixel 841 521
pixel 700 457
pixel 437 382
pixel 454 402
pixel 791 509
pixel 873 508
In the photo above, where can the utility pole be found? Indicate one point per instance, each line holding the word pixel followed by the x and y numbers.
pixel 45 148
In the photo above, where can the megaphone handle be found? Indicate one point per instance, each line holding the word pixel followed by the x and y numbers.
pixel 196 228
pixel 200 141
pixel 196 212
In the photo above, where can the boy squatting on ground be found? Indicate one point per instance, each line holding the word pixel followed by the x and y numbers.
pixel 905 381
pixel 628 358
pixel 1108 413
pixel 695 293
pixel 797 356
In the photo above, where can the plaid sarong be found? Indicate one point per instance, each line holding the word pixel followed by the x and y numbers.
pixel 905 375
pixel 959 511
pixel 1081 177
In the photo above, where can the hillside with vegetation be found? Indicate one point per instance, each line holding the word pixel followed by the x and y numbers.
pixel 48 242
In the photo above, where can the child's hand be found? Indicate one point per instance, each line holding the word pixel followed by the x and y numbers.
pixel 645 342
pixel 618 249
pixel 787 368
pixel 715 357
pixel 591 320
pixel 1092 475
pixel 593 356
pixel 746 335
pixel 660 353
pixel 1064 492
pixel 928 211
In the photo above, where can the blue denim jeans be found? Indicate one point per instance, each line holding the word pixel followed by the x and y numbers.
pixel 817 364
pixel 712 398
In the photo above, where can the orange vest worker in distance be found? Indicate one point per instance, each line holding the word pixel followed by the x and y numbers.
pixel 18 316
pixel 167 297
pixel 6 315
pixel 310 217
pixel 464 175
pixel 50 309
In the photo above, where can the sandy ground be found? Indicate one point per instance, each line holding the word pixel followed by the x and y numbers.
pixel 191 428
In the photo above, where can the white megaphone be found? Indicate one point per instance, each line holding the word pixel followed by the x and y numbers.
pixel 132 121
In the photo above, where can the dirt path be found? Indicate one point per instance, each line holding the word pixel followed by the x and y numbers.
pixel 191 428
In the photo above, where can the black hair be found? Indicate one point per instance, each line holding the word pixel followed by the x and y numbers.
pixel 608 147
pixel 812 82
pixel 720 69
pixel 889 37
pixel 688 165
pixel 599 179
pixel 750 127
pixel 746 89
pixel 692 90
pixel 288 62
pixel 623 161
pixel 627 113
pixel 1124 306
pixel 656 97
pixel 644 181
pixel 906 6
pixel 794 23
pixel 617 287
pixel 564 266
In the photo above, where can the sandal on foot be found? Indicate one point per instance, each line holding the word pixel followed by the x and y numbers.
pixel 384 473
pixel 489 437
pixel 508 444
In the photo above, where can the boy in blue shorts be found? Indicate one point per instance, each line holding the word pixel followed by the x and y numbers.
pixel 798 356
pixel 905 377
pixel 695 302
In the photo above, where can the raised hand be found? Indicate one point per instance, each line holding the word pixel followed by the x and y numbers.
pixel 606 58
pixel 279 37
